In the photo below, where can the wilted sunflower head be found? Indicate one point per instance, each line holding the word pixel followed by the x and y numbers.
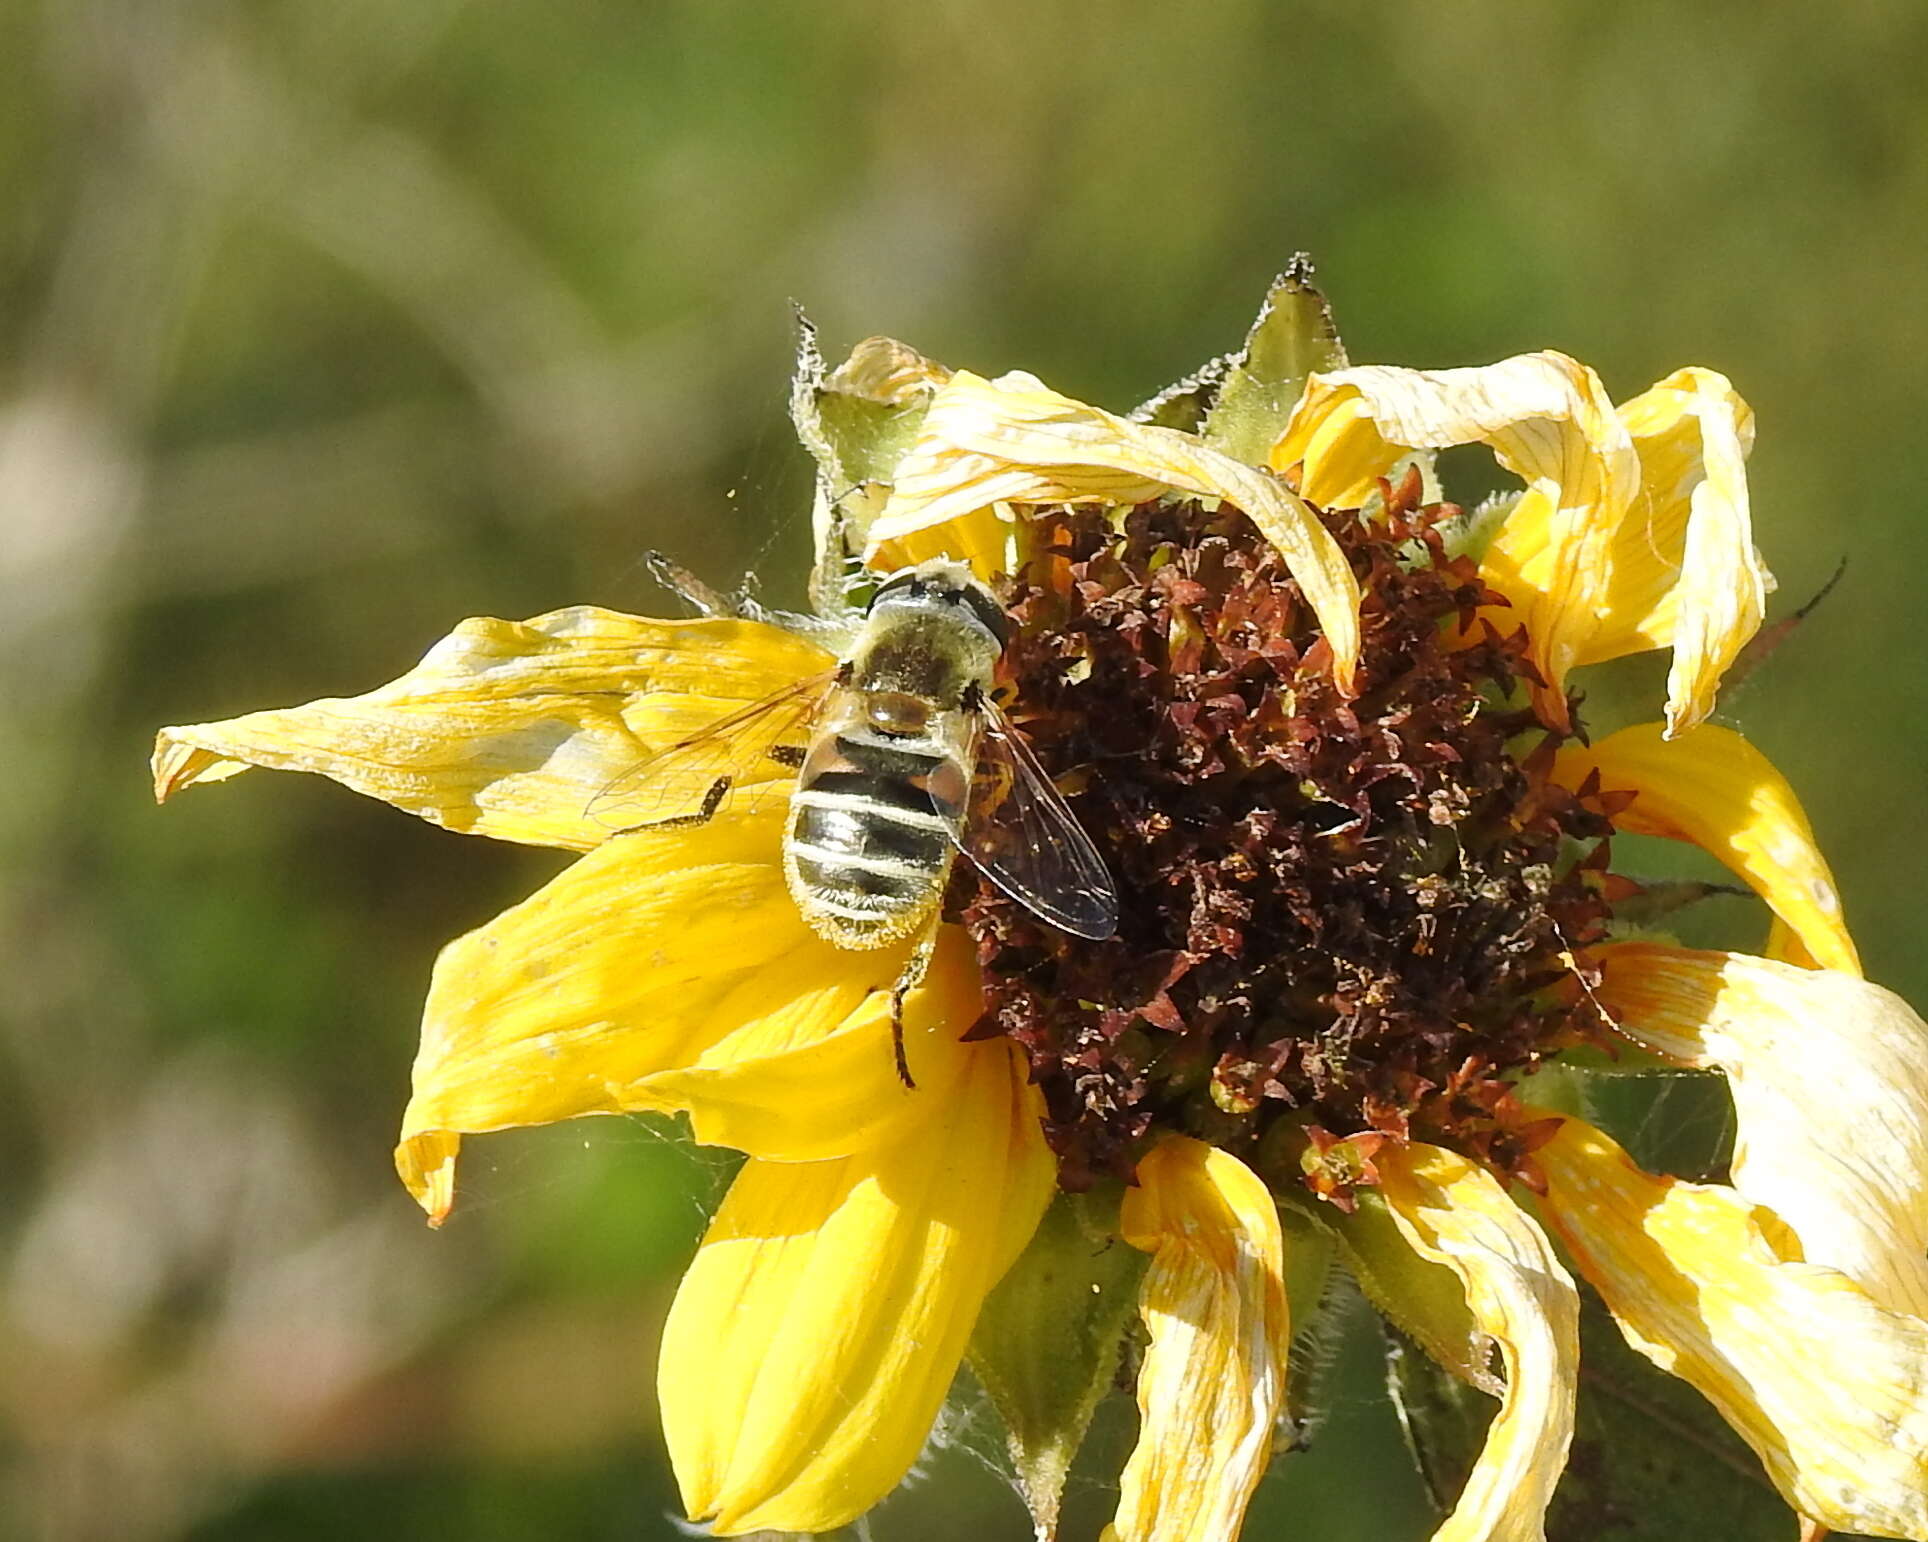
pixel 1323 730
pixel 1341 912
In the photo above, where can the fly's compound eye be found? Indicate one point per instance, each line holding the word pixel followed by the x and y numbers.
pixel 952 584
pixel 983 605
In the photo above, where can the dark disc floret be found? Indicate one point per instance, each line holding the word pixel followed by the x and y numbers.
pixel 1339 916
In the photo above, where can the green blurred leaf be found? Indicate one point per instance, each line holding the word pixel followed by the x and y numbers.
pixel 1293 336
pixel 1046 1344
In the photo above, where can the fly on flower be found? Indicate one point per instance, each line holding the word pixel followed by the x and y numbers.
pixel 901 758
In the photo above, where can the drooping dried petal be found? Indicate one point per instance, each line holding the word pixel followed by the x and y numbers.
pixel 1682 571
pixel 1830 1083
pixel 509 728
pixel 1546 418
pixel 1716 790
pixel 1213 1377
pixel 1685 571
pixel 1456 1214
pixel 1013 441
pixel 814 1338
pixel 1830 1389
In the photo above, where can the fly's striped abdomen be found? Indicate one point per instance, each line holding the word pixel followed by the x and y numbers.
pixel 872 828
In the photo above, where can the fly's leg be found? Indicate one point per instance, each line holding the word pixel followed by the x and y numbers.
pixel 908 981
pixel 686 586
pixel 702 815
pixel 833 633
pixel 707 599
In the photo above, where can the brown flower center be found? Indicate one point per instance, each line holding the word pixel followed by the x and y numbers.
pixel 1337 916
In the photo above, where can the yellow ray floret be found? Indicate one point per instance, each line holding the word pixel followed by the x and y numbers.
pixel 1830 1083
pixel 781 1088
pixel 1213 1376
pixel 1546 418
pixel 1634 531
pixel 1013 441
pixel 1830 1389
pixel 1716 790
pixel 817 1332
pixel 509 728
pixel 993 541
pixel 1681 570
pixel 1456 1214
pixel 1685 573
pixel 670 971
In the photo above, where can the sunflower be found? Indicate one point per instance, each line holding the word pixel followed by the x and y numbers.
pixel 1318 720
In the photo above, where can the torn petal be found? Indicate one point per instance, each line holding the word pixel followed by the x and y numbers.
pixel 1685 571
pixel 653 953
pixel 817 1332
pixel 509 728
pixel 1013 441
pixel 1456 1214
pixel 1547 419
pixel 1830 1389
pixel 1716 790
pixel 1830 1083
pixel 1213 1376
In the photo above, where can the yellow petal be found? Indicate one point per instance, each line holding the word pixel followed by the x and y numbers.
pixel 1682 571
pixel 992 540
pixel 509 728
pixel 782 1089
pixel 1784 946
pixel 814 1338
pixel 1213 1376
pixel 1546 418
pixel 1685 571
pixel 1013 441
pixel 1830 1083
pixel 657 951
pixel 1830 1389
pixel 1716 790
pixel 1456 1214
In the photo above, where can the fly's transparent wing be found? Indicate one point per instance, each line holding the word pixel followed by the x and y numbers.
pixel 688 782
pixel 1028 842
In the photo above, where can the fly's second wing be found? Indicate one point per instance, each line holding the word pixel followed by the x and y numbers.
pixel 745 756
pixel 1026 840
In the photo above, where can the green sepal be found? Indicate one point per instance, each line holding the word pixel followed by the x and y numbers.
pixel 1471 531
pixel 1308 1264
pixel 1423 1299
pixel 1293 336
pixel 1320 1300
pixel 1184 404
pixel 1443 1419
pixel 858 419
pixel 1046 1344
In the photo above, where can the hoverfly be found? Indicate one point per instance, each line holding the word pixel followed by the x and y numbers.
pixel 901 759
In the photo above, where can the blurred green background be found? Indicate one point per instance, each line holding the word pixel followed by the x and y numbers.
pixel 323 325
